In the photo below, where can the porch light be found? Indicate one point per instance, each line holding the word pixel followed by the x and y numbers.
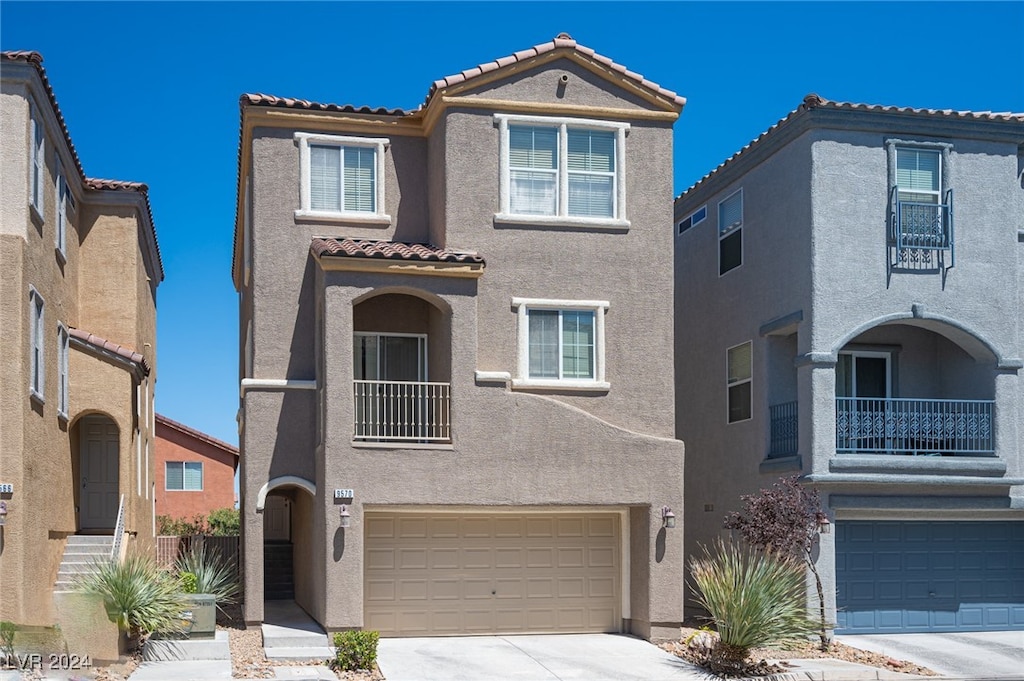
pixel 346 517
pixel 668 518
pixel 824 524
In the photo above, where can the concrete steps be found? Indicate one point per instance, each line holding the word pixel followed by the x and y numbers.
pixel 290 634
pixel 81 553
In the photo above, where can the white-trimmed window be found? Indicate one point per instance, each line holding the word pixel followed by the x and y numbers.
pixel 919 174
pixel 37 364
pixel 63 353
pixel 342 178
pixel 37 162
pixel 692 220
pixel 739 382
pixel 183 476
pixel 561 344
pixel 730 232
pixel 562 171
pixel 64 201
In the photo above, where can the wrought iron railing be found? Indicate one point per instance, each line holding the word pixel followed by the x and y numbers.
pixel 913 426
pixel 402 411
pixel 783 433
pixel 922 233
pixel 115 546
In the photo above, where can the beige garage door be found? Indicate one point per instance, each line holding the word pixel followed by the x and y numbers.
pixel 482 574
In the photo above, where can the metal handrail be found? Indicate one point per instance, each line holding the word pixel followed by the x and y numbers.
pixel 915 426
pixel 115 548
pixel 402 411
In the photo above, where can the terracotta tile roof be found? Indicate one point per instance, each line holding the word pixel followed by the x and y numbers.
pixel 103 345
pixel 197 434
pixel 388 250
pixel 814 101
pixel 561 41
pixel 36 59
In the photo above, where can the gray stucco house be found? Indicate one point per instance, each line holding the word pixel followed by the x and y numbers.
pixel 456 354
pixel 849 302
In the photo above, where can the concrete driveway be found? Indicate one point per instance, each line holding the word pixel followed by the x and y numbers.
pixel 974 655
pixel 583 657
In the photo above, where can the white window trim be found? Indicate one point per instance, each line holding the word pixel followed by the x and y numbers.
pixel 63 355
pixel 505 214
pixel 522 378
pixel 729 385
pixel 689 218
pixel 37 338
pixel 379 144
pixel 202 477
pixel 729 231
pixel 37 162
pixel 931 149
pixel 60 191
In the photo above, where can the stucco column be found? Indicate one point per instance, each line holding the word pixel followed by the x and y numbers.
pixel 1008 413
pixel 816 391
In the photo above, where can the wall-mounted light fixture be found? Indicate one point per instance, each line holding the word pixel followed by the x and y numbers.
pixel 824 524
pixel 3 513
pixel 668 518
pixel 346 517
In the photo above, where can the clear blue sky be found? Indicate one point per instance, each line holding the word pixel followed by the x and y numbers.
pixel 150 93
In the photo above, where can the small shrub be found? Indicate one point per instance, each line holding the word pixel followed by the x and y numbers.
pixel 181 527
pixel 224 522
pixel 754 598
pixel 7 632
pixel 355 650
pixel 188 582
pixel 213 574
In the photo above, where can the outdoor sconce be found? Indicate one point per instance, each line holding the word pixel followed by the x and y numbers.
pixel 668 518
pixel 346 517
pixel 3 513
pixel 824 524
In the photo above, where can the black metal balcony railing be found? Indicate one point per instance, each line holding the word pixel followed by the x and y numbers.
pixel 784 432
pixel 914 426
pixel 402 411
pixel 922 234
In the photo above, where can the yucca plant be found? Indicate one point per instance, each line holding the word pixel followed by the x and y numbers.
pixel 140 597
pixel 754 599
pixel 211 574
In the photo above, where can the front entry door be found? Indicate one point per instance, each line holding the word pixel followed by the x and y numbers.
pixel 277 521
pixel 99 457
pixel 863 389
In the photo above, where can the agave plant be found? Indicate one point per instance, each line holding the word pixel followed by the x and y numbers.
pixel 139 596
pixel 209 573
pixel 754 599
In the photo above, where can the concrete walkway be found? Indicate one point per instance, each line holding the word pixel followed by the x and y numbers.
pixel 974 655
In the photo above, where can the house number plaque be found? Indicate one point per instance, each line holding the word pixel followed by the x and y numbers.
pixel 344 494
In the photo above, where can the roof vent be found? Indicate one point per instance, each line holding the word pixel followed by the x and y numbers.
pixel 563 36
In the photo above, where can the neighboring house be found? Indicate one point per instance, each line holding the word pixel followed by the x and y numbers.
pixel 80 267
pixel 456 354
pixel 195 473
pixel 849 304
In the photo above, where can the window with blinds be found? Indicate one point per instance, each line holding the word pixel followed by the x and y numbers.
pixel 561 344
pixel 555 169
pixel 739 361
pixel 730 232
pixel 184 476
pixel 37 164
pixel 38 363
pixel 342 179
pixel 919 175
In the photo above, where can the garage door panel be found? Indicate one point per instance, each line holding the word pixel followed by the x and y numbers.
pixel 951 576
pixel 495 573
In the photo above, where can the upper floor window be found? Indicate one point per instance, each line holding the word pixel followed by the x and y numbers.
pixel 739 382
pixel 65 202
pixel 922 207
pixel 730 232
pixel 37 162
pixel 561 344
pixel 37 363
pixel 692 220
pixel 558 170
pixel 342 178
pixel 183 476
pixel 63 353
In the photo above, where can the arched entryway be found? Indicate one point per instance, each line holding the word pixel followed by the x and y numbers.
pixel 97 472
pixel 287 507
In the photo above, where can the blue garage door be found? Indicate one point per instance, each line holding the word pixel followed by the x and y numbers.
pixel 929 576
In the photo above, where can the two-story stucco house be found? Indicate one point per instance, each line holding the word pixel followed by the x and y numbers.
pixel 80 268
pixel 456 354
pixel 849 306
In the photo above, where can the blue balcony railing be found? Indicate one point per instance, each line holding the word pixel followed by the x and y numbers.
pixel 913 426
pixel 784 432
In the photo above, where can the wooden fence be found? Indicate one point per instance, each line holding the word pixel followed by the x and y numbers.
pixel 169 547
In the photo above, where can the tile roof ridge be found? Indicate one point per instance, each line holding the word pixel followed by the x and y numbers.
pixel 103 344
pixel 198 434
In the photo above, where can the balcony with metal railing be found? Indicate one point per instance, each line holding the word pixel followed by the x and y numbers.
pixel 784 431
pixel 915 426
pixel 402 412
pixel 922 235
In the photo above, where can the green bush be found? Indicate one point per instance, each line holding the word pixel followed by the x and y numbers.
pixel 188 582
pixel 355 650
pixel 7 632
pixel 212 573
pixel 140 596
pixel 754 599
pixel 166 525
pixel 224 522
